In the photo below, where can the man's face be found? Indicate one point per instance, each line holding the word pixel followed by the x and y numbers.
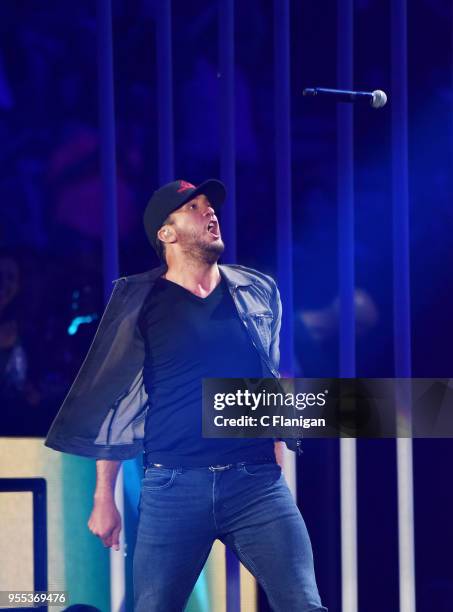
pixel 197 230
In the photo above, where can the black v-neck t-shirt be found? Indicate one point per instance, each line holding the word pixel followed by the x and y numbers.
pixel 189 338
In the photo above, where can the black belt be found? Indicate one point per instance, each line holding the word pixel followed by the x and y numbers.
pixel 213 468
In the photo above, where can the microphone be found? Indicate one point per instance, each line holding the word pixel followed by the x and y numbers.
pixel 377 98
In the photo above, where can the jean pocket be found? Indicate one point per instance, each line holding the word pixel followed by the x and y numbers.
pixel 262 469
pixel 157 478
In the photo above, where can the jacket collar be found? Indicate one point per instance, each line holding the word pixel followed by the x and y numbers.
pixel 235 276
pixel 144 277
pixel 232 275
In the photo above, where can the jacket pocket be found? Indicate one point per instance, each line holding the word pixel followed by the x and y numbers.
pixel 262 323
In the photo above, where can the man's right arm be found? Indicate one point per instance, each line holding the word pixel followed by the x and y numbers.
pixel 105 520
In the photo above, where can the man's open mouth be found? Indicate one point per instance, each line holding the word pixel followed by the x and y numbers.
pixel 213 228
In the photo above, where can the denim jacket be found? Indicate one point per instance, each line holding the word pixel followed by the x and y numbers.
pixel 103 415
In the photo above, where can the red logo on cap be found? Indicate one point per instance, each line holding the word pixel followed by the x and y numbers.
pixel 184 186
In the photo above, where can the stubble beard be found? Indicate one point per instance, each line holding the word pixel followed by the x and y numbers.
pixel 203 252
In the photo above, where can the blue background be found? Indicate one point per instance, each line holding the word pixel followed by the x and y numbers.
pixel 50 222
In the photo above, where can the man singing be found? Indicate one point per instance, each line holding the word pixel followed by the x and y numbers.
pixel 139 389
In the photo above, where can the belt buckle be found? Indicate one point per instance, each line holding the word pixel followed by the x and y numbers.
pixel 220 468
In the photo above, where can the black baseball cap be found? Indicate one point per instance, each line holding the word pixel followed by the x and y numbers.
pixel 173 195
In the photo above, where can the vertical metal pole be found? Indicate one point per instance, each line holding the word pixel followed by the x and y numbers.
pixel 108 152
pixel 401 297
pixel 348 469
pixel 165 92
pixel 283 179
pixel 228 176
pixel 110 244
pixel 227 126
pixel 283 196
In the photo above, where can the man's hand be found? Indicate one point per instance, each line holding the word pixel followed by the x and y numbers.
pixel 105 522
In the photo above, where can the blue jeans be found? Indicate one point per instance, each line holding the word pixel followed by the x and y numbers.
pixel 248 507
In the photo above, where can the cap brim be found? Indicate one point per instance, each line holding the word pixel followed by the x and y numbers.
pixel 213 189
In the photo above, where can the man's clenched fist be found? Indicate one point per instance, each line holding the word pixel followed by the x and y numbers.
pixel 105 522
